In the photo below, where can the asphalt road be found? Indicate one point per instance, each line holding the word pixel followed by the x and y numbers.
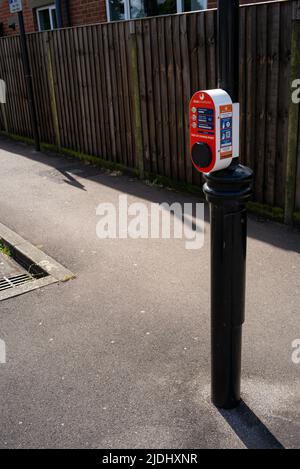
pixel 119 357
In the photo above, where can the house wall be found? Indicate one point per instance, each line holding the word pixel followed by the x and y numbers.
pixel 6 17
pixel 81 12
pixel 87 12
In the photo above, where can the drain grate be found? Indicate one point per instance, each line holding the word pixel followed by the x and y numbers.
pixel 27 268
pixel 16 281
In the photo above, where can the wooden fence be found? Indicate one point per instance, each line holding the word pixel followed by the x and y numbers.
pixel 120 91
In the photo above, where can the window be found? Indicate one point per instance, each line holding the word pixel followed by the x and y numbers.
pixel 140 8
pixel 192 5
pixel 116 10
pixel 46 18
pixel 126 9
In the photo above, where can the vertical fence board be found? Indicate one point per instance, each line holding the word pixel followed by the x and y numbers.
pixel 243 83
pixel 284 97
pixel 121 97
pixel 172 99
pixel 186 96
pixel 115 91
pixel 90 89
pixel 130 46
pixel 150 95
pixel 65 90
pixel 55 136
pixel 210 26
pixel 250 86
pixel 74 98
pixel 105 113
pixel 272 101
pixel 143 94
pixel 164 96
pixel 68 64
pixel 59 84
pixel 126 96
pixel 157 97
pixel 261 92
pixel 99 114
pixel 111 110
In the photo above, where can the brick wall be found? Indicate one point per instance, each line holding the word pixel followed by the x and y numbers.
pixel 81 12
pixel 5 16
pixel 87 11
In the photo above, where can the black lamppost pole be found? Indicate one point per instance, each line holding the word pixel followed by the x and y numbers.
pixel 28 79
pixel 227 192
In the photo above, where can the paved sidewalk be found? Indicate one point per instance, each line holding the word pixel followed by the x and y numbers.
pixel 119 357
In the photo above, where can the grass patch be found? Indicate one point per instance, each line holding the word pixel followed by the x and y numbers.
pixel 297 219
pixel 4 249
pixel 266 211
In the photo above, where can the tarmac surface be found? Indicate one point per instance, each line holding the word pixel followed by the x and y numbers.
pixel 120 356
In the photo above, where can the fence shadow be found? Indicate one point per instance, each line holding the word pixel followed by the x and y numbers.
pixel 250 429
pixel 275 234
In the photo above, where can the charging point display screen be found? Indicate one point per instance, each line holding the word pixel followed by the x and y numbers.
pixel 206 120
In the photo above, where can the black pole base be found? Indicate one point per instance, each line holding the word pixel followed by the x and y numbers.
pixel 227 192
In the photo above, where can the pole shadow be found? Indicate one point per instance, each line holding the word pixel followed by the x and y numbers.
pixel 249 428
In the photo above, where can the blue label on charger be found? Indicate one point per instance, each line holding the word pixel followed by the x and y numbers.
pixel 226 131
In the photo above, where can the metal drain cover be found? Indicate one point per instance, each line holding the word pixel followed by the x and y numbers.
pixel 12 275
pixel 26 267
pixel 13 282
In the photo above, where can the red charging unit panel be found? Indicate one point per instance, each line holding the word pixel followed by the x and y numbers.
pixel 203 126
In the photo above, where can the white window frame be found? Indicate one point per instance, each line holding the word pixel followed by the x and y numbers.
pixel 50 8
pixel 180 8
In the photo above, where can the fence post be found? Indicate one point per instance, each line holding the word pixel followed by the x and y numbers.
pixel 293 119
pixel 136 100
pixel 4 116
pixel 50 74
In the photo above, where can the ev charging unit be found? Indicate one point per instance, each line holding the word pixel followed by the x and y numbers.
pixel 214 130
pixel 214 149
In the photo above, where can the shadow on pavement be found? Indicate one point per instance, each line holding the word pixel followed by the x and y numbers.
pixel 276 234
pixel 249 428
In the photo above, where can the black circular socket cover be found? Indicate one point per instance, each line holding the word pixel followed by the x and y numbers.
pixel 201 155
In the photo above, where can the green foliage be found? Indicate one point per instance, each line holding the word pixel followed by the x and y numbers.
pixel 4 249
pixel 297 219
pixel 266 211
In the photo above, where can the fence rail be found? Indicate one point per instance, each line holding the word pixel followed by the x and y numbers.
pixel 120 91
